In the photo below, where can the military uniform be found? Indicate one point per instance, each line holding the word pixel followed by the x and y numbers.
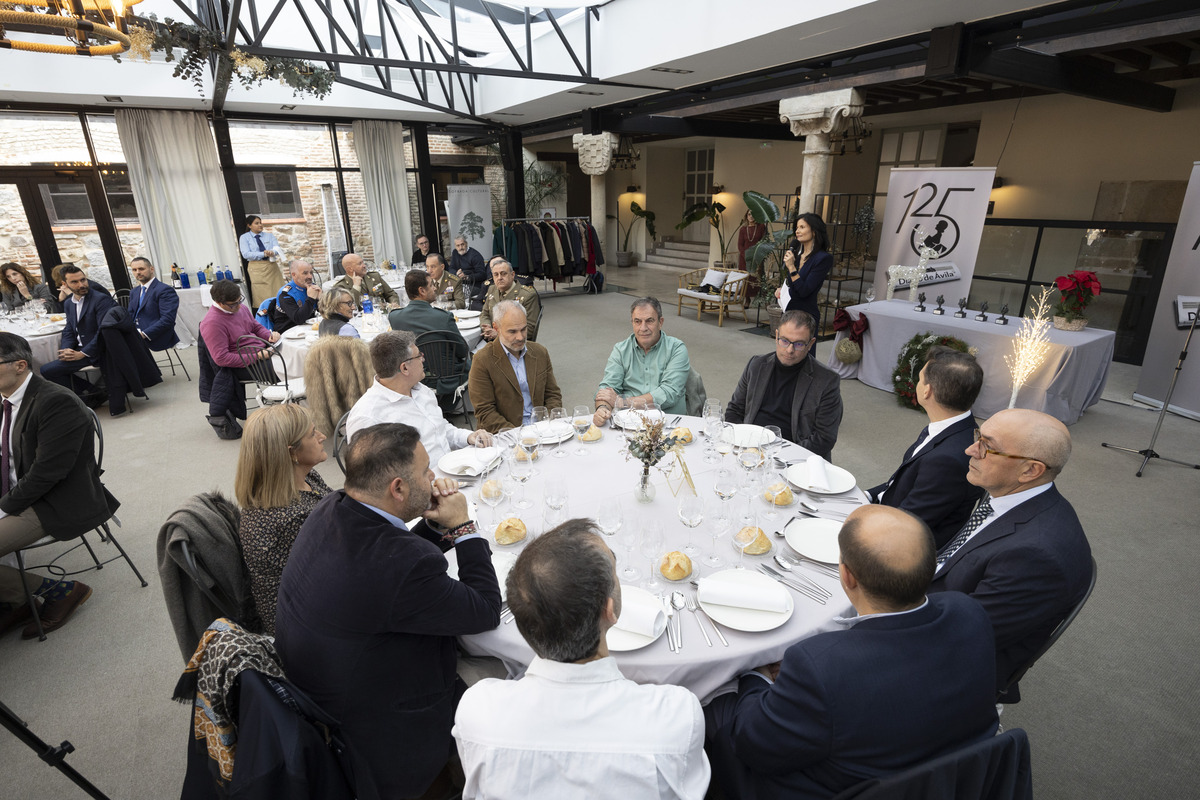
pixel 525 295
pixel 377 288
pixel 448 288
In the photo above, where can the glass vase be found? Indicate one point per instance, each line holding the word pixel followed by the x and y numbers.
pixel 644 493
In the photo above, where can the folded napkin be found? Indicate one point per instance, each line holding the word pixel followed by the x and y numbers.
pixel 764 597
pixel 817 477
pixel 469 461
pixel 647 620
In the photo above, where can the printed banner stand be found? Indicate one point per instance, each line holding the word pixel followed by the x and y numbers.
pixel 469 214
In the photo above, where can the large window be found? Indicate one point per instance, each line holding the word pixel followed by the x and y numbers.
pixel 67 203
pixel 271 195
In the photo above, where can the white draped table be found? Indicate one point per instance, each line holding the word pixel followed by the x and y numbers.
pixel 295 349
pixel 605 473
pixel 1069 381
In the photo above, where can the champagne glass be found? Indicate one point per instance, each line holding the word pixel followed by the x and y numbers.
pixel 558 424
pixel 724 439
pixel 530 439
pixel 691 513
pixel 743 538
pixel 652 546
pixel 581 421
pixel 556 493
pixel 491 491
pixel 629 540
pixel 712 429
pixel 725 487
pixel 611 517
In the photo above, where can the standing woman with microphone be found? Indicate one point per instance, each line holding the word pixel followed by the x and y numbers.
pixel 808 263
pixel 263 256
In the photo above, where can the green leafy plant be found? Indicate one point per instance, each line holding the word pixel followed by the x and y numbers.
pixel 712 212
pixel 541 183
pixel 764 258
pixel 638 213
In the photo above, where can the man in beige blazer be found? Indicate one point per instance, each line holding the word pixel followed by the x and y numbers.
pixel 510 376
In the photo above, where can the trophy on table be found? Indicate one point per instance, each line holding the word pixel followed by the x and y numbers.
pixel 962 308
pixel 1002 320
pixel 920 302
pixel 982 315
pixel 939 310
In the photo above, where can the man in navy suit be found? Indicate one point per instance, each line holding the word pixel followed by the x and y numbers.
pixel 908 679
pixel 1022 553
pixel 81 344
pixel 931 481
pixel 153 306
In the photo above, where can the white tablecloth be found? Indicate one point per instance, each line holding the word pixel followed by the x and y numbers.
pixel 605 473
pixel 1069 381
pixel 295 350
pixel 44 345
pixel 191 311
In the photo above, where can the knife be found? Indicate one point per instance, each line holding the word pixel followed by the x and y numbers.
pixel 804 590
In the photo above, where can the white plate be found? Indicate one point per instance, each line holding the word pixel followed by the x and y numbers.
pixel 840 480
pixel 554 432
pixel 747 619
pixel 628 419
pixel 620 641
pixel 464 315
pixel 501 562
pixel 468 325
pixel 745 435
pixel 814 538
pixel 299 332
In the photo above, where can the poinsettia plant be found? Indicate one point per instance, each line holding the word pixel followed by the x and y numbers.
pixel 1077 289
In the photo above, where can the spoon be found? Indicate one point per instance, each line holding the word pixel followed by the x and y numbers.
pixel 679 603
pixel 818 510
pixel 786 567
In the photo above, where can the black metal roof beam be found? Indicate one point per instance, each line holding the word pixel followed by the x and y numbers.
pixel 253 21
pixel 422 89
pixel 692 126
pixel 231 23
pixel 262 32
pixel 1022 28
pixel 408 99
pixel 195 20
pixel 507 42
pixel 312 31
pixel 355 12
pixel 566 44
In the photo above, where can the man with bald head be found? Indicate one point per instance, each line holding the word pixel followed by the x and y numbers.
pixel 361 283
pixel 296 302
pixel 906 680
pixel 1022 553
pixel 511 375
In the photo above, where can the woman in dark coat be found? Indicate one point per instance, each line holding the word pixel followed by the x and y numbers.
pixel 808 263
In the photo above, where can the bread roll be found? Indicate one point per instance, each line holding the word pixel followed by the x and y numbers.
pixel 491 489
pixel 683 434
pixel 510 531
pixel 761 543
pixel 521 455
pixel 781 498
pixel 593 434
pixel 675 566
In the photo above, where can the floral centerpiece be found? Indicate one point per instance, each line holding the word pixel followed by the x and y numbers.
pixel 1077 289
pixel 649 445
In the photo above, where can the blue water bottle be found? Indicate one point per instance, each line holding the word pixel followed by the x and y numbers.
pixel 183 280
pixel 200 280
pixel 368 306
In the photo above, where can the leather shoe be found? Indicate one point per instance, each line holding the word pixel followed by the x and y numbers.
pixel 56 612
pixel 14 617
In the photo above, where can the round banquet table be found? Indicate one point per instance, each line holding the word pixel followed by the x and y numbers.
pixel 605 473
pixel 43 337
pixel 295 348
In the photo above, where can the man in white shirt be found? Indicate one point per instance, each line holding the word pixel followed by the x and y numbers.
pixel 397 395
pixel 574 727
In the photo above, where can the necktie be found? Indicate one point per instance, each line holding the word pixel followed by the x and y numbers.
pixel 4 450
pixel 907 455
pixel 137 301
pixel 261 246
pixel 920 440
pixel 981 512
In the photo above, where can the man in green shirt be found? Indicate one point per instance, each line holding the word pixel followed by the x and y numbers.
pixel 648 366
pixel 359 282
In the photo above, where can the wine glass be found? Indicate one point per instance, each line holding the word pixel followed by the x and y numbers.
pixel 558 424
pixel 712 429
pixel 539 415
pixel 725 487
pixel 774 440
pixel 744 537
pixel 724 439
pixel 691 513
pixel 628 537
pixel 611 517
pixel 652 545
pixel 521 472
pixel 870 295
pixel 530 440
pixel 556 494
pixel 774 483
pixel 719 528
pixel 581 421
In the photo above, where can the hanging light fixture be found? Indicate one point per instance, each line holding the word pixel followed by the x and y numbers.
pixel 81 21
pixel 625 157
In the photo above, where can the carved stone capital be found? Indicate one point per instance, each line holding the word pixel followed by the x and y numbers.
pixel 826 112
pixel 595 151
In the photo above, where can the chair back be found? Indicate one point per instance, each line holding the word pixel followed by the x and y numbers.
pixel 694 394
pixel 440 362
pixel 99 432
pixel 339 371
pixel 122 298
pixel 263 370
pixel 339 441
pixel 997 768
pixel 1059 630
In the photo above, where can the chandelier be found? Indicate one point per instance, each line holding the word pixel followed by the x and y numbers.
pixel 625 157
pixel 86 24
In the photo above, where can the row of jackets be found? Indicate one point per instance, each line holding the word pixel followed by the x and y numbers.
pixel 549 249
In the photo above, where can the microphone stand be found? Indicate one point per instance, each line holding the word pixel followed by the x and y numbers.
pixel 54 756
pixel 1149 452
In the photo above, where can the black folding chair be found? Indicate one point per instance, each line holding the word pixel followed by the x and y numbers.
pixel 270 389
pixel 339 441
pixel 441 353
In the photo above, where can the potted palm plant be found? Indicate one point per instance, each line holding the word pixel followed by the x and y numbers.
pixel 712 212
pixel 625 255
pixel 765 258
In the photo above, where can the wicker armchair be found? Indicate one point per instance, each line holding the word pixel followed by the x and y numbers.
pixel 731 297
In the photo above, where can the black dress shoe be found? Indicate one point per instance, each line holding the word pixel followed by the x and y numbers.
pixel 120 413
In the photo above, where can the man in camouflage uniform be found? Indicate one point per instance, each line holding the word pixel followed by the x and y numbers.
pixel 446 286
pixel 357 281
pixel 505 287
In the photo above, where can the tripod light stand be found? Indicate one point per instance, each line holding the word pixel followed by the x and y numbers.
pixel 54 756
pixel 1149 452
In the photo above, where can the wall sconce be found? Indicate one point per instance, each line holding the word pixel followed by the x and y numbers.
pixel 631 189
pixel 998 182
pixel 718 188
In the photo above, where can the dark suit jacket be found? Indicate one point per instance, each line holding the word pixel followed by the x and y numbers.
pixel 805 288
pixel 933 483
pixel 54 451
pixel 475 273
pixel 881 696
pixel 365 626
pixel 83 333
pixel 496 393
pixel 816 403
pixel 1028 568
pixel 420 317
pixel 154 310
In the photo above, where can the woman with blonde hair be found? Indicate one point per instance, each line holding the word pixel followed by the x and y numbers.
pixel 336 307
pixel 18 287
pixel 277 488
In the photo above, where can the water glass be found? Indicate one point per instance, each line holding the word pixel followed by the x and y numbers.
pixel 581 421
pixel 559 422
pixel 611 517
pixel 691 513
pixel 744 537
pixel 556 493
pixel 628 538
pixel 653 546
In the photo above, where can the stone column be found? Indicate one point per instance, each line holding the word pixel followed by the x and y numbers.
pixel 816 117
pixel 595 157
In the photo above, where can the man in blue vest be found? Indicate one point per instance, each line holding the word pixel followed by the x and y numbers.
pixel 296 302
pixel 153 306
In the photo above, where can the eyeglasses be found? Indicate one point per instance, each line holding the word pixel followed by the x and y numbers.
pixel 985 450
pixel 14 361
pixel 410 358
pixel 790 345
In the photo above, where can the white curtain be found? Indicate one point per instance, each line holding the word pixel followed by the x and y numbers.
pixel 380 148
pixel 177 185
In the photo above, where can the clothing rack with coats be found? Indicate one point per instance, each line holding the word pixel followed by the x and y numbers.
pixel 553 249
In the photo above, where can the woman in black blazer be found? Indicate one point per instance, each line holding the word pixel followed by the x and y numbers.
pixel 807 261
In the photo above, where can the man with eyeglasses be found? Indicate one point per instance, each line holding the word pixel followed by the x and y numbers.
pixel 397 395
pixel 1022 553
pixel 791 389
pixel 222 360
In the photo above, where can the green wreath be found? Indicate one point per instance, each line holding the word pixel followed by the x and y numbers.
pixel 912 358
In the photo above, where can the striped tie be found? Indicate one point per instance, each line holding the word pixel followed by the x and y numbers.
pixel 981 512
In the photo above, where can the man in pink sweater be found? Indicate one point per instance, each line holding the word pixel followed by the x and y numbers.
pixel 222 366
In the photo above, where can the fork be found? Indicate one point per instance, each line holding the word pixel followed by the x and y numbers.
pixel 696 602
pixel 690 605
pixel 818 567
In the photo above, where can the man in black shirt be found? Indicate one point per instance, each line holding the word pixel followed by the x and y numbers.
pixel 791 390
pixel 422 252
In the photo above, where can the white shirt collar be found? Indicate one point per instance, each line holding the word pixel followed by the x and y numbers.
pixel 146 286
pixel 16 397
pixel 850 622
pixel 602 670
pixel 1008 502
pixel 937 427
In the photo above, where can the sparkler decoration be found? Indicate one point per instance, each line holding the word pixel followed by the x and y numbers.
pixel 1030 344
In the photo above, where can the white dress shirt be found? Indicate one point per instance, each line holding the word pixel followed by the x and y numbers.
pixel 937 427
pixel 380 404
pixel 15 398
pixel 582 731
pixel 1000 506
